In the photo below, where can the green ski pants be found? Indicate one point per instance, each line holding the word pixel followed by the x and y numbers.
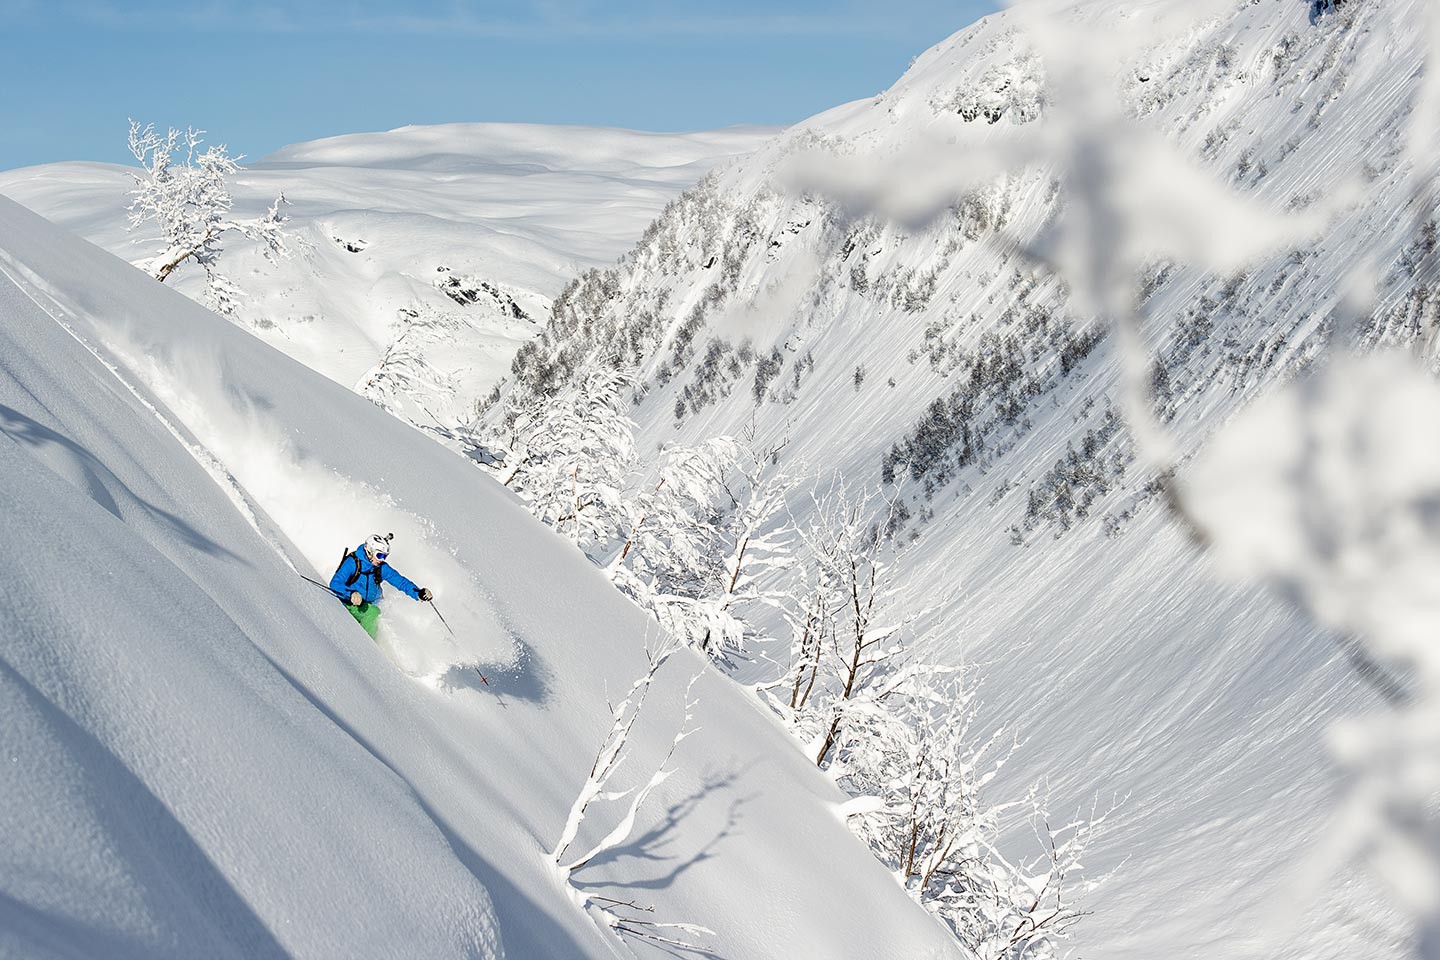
pixel 368 616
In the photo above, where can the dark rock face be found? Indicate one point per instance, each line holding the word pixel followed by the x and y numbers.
pixel 470 291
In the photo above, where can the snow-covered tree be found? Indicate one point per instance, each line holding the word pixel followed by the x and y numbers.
pixel 404 370
pixel 505 435
pixel 622 918
pixel 669 529
pixel 927 771
pixel 702 544
pixel 846 635
pixel 668 536
pixel 899 736
pixel 570 457
pixel 183 191
pixel 919 786
pixel 756 538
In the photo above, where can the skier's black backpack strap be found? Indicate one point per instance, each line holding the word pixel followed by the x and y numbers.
pixel 350 580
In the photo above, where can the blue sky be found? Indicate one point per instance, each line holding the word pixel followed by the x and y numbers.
pixel 261 74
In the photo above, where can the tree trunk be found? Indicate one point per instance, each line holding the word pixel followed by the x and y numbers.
pixel 739 563
pixel 854 670
pixel 169 266
pixel 829 741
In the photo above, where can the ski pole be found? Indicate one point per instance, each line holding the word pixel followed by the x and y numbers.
pixel 440 615
pixel 322 586
pixel 483 678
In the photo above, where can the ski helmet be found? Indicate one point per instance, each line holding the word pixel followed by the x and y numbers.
pixel 377 546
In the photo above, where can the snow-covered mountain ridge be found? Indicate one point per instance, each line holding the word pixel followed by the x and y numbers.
pixel 948 353
pixel 204 754
pixel 416 223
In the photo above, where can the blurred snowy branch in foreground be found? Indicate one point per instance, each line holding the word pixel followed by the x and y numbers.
pixel 1329 489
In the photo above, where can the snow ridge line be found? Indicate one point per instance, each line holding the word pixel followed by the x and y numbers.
pixel 29 285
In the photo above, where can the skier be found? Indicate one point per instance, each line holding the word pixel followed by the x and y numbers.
pixel 357 581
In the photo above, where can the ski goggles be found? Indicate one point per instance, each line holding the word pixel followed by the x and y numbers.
pixel 381 556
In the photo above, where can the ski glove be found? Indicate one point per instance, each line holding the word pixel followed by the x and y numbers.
pixel 356 599
pixel 425 593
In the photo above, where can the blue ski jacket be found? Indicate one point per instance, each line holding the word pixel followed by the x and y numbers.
pixel 357 574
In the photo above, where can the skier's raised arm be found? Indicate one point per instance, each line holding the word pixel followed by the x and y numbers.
pixel 398 579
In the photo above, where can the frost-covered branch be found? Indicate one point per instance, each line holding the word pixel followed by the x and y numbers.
pixel 626 824
pixel 569 457
pixel 705 544
pixel 404 370
pixel 616 915
pixel 1343 532
pixel 611 752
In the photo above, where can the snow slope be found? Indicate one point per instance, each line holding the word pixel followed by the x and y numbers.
pixel 206 756
pixel 870 336
pixel 383 219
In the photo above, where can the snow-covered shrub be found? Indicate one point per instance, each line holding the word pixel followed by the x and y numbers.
pixel 624 918
pixel 403 370
pixel 919 787
pixel 569 457
pixel 182 190
pixel 703 544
